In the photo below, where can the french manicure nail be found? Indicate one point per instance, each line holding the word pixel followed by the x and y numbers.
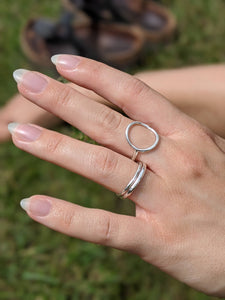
pixel 36 206
pixel 25 204
pixel 24 132
pixel 18 74
pixel 12 127
pixel 30 80
pixel 66 62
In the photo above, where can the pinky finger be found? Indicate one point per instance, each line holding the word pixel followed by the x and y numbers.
pixel 92 225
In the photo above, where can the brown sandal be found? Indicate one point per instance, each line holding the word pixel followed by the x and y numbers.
pixel 156 21
pixel 42 38
pixel 114 44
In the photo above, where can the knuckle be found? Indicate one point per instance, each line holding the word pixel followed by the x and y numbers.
pixel 195 165
pixel 207 135
pixel 220 142
pixel 95 70
pixel 203 133
pixel 137 87
pixel 109 120
pixel 64 98
pixel 54 144
pixel 68 219
pixel 103 162
pixel 133 88
pixel 104 228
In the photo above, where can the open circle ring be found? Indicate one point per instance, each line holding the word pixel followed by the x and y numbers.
pixel 142 150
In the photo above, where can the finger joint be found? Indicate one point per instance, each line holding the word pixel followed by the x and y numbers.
pixel 110 119
pixel 64 98
pixel 104 162
pixel 54 144
pixel 105 229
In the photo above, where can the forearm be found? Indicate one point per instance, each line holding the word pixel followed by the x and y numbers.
pixel 198 91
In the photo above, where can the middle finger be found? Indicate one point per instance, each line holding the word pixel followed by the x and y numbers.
pixel 96 120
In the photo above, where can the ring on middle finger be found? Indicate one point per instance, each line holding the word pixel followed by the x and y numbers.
pixel 142 150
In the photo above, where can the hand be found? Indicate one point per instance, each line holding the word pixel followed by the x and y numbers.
pixel 180 204
pixel 18 109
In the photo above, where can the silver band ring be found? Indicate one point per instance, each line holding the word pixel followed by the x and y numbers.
pixel 136 149
pixel 134 182
pixel 134 156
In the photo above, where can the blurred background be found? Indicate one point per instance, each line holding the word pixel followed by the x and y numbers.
pixel 37 263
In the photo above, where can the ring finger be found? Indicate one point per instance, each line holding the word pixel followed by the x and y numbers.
pixel 110 169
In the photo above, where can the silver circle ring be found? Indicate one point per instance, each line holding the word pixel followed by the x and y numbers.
pixel 142 150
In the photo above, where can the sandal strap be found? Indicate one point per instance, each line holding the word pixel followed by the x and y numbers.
pixel 63 30
pixel 44 28
pixel 47 29
pixel 66 24
pixel 118 10
pixel 125 12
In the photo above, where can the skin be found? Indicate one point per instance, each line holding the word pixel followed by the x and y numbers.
pixel 18 109
pixel 180 218
pixel 194 99
pixel 198 91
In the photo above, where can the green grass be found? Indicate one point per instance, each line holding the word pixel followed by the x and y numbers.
pixel 37 263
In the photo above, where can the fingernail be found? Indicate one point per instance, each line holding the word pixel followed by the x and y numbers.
pixel 25 203
pixel 66 62
pixel 30 80
pixel 37 207
pixel 24 132
pixel 18 74
pixel 12 127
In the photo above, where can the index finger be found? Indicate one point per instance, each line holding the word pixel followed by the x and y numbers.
pixel 134 97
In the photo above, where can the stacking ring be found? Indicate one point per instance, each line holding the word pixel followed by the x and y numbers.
pixel 131 186
pixel 136 149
